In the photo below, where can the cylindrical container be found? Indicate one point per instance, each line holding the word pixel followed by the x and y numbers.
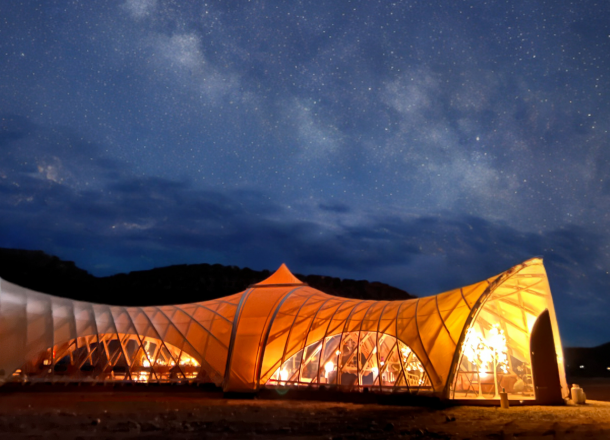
pixel 578 395
pixel 504 399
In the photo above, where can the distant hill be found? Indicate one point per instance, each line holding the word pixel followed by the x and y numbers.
pixel 588 362
pixel 166 285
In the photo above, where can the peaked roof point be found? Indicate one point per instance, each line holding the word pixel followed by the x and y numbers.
pixel 281 277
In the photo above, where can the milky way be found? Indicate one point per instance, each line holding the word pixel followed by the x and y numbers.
pixel 425 145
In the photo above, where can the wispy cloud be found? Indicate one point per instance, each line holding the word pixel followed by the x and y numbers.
pixel 128 222
pixel 140 8
pixel 317 137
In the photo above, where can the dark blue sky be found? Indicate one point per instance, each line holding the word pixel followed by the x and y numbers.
pixel 425 145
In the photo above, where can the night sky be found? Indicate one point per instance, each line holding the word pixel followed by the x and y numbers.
pixel 424 145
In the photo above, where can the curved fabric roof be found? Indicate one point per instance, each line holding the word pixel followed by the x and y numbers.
pixel 242 340
pixel 32 322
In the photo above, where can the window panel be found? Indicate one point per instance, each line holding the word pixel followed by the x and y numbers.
pixel 354 360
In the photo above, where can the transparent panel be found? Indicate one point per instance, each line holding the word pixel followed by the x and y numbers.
pixel 131 348
pixel 355 360
pixel 401 382
pixel 415 373
pixel 62 361
pixel 330 360
pixel 188 365
pixel 310 362
pixel 385 344
pixel 103 361
pixel 111 359
pixel 84 357
pixel 367 356
pixel 495 354
pixel 163 365
pixel 369 371
pixel 141 367
pixel 348 361
pixel 389 363
pixel 288 372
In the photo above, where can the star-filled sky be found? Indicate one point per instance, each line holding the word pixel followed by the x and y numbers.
pixel 427 145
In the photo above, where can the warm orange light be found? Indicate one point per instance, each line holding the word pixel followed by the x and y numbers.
pixel 283 375
pixel 487 354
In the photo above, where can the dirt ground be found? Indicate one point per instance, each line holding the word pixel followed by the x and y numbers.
pixel 196 415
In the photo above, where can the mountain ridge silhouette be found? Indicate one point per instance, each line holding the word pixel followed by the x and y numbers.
pixel 176 284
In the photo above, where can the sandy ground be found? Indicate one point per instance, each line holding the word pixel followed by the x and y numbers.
pixel 597 388
pixel 196 415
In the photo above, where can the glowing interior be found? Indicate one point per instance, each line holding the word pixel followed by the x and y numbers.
pixel 355 359
pixel 496 350
pixel 114 357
